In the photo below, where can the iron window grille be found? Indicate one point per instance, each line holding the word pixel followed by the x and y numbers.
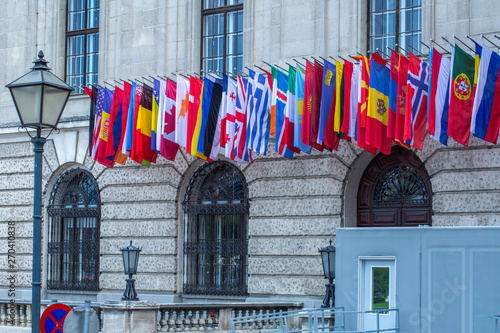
pixel 222 35
pixel 394 22
pixel 401 186
pixel 216 247
pixel 82 43
pixel 73 246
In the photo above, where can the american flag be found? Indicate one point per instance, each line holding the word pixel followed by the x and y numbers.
pixel 97 120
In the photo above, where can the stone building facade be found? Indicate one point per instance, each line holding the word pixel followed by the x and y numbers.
pixel 295 206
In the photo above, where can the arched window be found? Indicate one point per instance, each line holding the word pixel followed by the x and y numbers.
pixel 395 191
pixel 216 235
pixel 75 218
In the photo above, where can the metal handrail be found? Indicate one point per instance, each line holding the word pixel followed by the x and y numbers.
pixel 316 320
pixel 497 319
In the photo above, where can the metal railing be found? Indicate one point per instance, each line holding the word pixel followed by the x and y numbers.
pixel 314 320
pixel 171 317
pixel 497 319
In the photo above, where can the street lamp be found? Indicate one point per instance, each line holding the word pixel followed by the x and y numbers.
pixel 39 97
pixel 328 259
pixel 130 256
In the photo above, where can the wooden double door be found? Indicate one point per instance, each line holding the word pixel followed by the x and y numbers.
pixel 395 191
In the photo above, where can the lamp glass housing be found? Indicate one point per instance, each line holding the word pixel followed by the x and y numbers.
pixel 130 256
pixel 328 260
pixel 39 96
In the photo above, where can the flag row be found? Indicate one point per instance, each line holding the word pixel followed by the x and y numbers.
pixel 374 101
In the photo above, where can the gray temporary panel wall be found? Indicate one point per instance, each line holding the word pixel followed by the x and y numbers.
pixel 447 279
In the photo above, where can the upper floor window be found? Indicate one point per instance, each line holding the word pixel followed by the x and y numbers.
pixel 394 22
pixel 222 35
pixel 216 246
pixel 82 43
pixel 73 243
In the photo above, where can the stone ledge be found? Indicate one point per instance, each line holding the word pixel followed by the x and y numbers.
pixel 315 206
pixel 295 187
pixel 147 263
pixel 323 166
pixel 467 180
pixel 140 175
pixel 287 246
pixel 129 193
pixel 293 226
pixel 17 181
pixel 463 202
pixel 463 159
pixel 301 286
pixel 157 245
pixel 292 266
pixel 139 228
pixel 146 210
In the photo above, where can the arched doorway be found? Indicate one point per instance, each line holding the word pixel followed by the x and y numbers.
pixel 395 191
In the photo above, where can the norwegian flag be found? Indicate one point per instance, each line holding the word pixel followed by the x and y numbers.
pixel 281 101
pixel 417 87
pixel 97 120
pixel 240 148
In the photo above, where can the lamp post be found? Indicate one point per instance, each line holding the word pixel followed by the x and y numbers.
pixel 328 260
pixel 39 97
pixel 130 256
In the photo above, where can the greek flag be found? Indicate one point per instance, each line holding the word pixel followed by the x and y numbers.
pixel 258 113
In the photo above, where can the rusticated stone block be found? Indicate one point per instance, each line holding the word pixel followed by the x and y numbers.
pixel 22 262
pixel 188 157
pixel 148 245
pixel 136 193
pixel 466 220
pixel 140 175
pixel 180 163
pixel 324 166
pixel 143 281
pixel 147 263
pixel 22 278
pixel 287 246
pixel 20 213
pixel 127 211
pixel 295 187
pixel 150 228
pixel 17 181
pixel 295 206
pixel 22 229
pixel 466 202
pixel 294 266
pixel 293 226
pixel 346 153
pixel 469 180
pixel 14 198
pixel 18 149
pixel 21 246
pixel 50 156
pixel 17 164
pixel 464 159
pixel 300 286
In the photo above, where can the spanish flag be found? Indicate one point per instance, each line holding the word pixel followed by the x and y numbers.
pixel 378 105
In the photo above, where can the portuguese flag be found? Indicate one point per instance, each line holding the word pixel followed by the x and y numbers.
pixel 461 97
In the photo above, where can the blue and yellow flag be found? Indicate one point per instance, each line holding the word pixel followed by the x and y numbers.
pixel 378 105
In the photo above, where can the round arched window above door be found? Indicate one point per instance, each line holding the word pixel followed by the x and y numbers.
pixel 395 191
